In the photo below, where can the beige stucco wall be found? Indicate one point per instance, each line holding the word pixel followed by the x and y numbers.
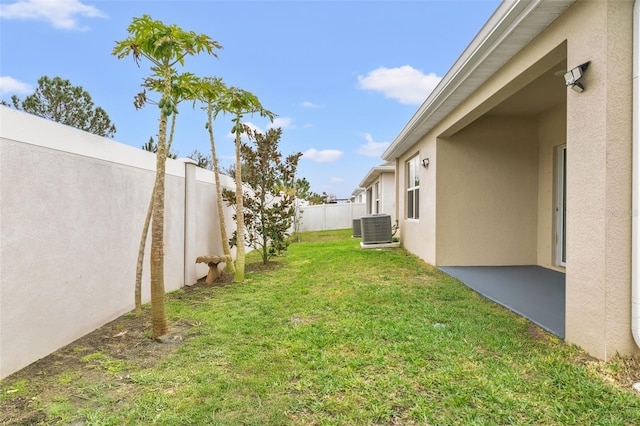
pixel 419 236
pixel 552 131
pixel 599 159
pixel 598 138
pixel 487 193
pixel 388 195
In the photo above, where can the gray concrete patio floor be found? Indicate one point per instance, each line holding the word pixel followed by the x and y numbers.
pixel 534 292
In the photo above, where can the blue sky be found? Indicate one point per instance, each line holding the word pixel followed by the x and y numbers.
pixel 343 77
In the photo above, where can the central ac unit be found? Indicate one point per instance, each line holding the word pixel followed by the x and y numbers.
pixel 376 229
pixel 357 230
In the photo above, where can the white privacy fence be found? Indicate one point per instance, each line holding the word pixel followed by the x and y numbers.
pixel 72 209
pixel 330 216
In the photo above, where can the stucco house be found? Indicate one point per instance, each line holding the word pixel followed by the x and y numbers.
pixel 379 189
pixel 526 154
pixel 358 196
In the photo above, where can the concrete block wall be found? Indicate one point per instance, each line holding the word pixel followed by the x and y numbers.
pixel 72 207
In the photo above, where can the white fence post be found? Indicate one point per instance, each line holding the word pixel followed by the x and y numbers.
pixel 190 221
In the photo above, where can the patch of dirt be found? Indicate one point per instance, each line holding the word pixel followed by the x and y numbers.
pixel 88 359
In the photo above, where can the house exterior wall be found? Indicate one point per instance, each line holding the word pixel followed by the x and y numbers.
pixel 551 134
pixel 596 127
pixel 387 186
pixel 598 308
pixel 388 202
pixel 419 236
pixel 487 194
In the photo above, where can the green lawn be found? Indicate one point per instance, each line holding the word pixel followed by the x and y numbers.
pixel 337 335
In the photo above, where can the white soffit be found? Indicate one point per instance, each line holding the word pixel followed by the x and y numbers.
pixel 374 173
pixel 511 27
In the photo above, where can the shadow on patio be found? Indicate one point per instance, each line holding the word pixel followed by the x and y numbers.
pixel 534 292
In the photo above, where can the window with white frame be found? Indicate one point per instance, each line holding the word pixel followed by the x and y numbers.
pixel 377 191
pixel 413 188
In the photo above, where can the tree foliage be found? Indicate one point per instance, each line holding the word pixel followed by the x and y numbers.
pixel 202 160
pixel 152 146
pixel 269 202
pixel 57 100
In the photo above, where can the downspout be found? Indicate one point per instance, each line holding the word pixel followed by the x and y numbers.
pixel 635 188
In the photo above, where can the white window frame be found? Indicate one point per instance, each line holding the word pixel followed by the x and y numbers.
pixel 412 183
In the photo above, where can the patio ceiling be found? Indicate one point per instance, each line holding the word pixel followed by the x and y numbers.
pixel 542 94
pixel 510 28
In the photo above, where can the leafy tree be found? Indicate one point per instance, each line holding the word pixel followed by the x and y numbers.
pixel 315 198
pixel 269 206
pixel 303 189
pixel 57 100
pixel 152 146
pixel 203 160
pixel 239 102
pixel 165 47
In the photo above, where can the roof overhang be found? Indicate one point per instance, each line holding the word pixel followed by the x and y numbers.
pixel 511 27
pixel 374 173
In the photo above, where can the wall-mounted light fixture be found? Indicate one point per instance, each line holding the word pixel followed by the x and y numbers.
pixel 572 77
pixel 425 162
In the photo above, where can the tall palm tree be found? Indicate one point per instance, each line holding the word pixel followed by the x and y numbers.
pixel 210 92
pixel 240 102
pixel 165 47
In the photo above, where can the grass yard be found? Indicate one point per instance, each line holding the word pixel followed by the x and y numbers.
pixel 330 334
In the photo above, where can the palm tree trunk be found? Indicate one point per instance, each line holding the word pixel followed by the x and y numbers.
pixel 229 267
pixel 158 308
pixel 143 244
pixel 145 232
pixel 239 275
pixel 158 312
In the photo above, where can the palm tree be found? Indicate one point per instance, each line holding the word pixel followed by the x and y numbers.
pixel 210 91
pixel 165 47
pixel 240 102
pixel 181 89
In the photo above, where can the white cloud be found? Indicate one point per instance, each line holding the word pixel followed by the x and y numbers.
pixel 372 148
pixel 406 84
pixel 283 122
pixel 61 14
pixel 307 104
pixel 323 156
pixel 336 180
pixel 11 85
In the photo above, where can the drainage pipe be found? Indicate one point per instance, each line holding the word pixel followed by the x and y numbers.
pixel 635 188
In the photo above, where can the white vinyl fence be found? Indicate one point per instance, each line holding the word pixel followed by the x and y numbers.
pixel 330 216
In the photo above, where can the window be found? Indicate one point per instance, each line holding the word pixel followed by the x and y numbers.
pixel 413 188
pixel 377 190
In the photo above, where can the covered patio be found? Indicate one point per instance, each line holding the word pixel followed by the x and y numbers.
pixel 534 292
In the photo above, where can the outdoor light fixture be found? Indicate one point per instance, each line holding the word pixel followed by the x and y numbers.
pixel 572 77
pixel 425 162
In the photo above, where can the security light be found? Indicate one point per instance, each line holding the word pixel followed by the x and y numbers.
pixel 572 77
